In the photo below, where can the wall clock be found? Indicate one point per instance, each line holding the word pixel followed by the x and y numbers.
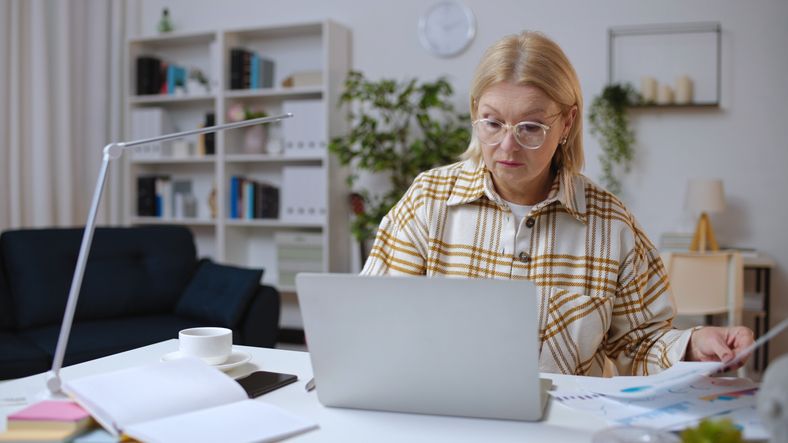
pixel 447 28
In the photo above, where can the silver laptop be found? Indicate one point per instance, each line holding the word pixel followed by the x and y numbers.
pixel 446 346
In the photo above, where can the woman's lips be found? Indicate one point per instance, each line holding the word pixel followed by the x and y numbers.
pixel 509 164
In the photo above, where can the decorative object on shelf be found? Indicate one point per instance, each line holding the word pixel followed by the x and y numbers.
pixel 608 118
pixel 197 83
pixel 165 24
pixel 648 90
pixel 255 137
pixel 664 95
pixel 447 28
pixel 401 128
pixel 304 79
pixel 212 201
pixel 704 196
pixel 683 95
pixel 255 140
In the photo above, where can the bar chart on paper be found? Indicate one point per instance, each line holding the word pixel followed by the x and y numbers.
pixel 682 405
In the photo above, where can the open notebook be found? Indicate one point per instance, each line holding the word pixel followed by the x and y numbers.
pixel 446 346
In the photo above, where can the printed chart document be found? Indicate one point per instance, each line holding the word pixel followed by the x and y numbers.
pixel 181 400
pixel 674 399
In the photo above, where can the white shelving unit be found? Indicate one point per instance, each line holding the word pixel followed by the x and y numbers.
pixel 315 46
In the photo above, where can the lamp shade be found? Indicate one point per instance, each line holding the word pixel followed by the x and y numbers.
pixel 705 196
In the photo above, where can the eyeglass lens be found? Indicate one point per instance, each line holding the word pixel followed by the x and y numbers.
pixel 527 134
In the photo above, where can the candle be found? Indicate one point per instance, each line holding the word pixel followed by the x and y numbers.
pixel 683 90
pixel 648 89
pixel 665 95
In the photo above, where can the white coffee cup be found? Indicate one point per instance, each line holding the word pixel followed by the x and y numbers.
pixel 212 345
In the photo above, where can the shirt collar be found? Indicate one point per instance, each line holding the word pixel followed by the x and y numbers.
pixel 568 190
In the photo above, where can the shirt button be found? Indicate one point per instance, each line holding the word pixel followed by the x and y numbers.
pixel 525 258
pixel 530 223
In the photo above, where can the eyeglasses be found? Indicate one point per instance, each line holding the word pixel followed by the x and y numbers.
pixel 529 135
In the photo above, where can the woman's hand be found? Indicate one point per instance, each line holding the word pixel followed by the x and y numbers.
pixel 719 344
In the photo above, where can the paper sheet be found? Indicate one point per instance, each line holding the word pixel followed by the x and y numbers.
pixel 705 397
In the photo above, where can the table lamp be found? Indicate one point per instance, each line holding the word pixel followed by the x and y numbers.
pixel 111 152
pixel 704 196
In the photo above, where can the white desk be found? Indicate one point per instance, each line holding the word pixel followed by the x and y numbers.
pixel 561 424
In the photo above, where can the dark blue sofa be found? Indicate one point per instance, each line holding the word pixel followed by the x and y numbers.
pixel 142 285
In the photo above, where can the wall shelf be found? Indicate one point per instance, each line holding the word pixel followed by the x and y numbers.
pixel 665 51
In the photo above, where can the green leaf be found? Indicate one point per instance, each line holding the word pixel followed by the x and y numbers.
pixel 400 128
pixel 607 117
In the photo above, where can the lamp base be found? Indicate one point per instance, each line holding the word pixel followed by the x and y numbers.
pixel 52 390
pixel 703 234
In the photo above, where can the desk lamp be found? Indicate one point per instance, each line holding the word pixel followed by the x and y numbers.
pixel 704 196
pixel 111 152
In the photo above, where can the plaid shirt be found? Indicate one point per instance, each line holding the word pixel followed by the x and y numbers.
pixel 602 288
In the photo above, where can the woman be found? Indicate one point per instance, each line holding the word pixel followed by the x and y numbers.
pixel 518 208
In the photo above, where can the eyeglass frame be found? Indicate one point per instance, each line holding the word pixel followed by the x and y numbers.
pixel 545 128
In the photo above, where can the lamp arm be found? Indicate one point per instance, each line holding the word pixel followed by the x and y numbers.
pixel 111 152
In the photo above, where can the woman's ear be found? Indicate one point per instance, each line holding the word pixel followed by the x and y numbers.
pixel 570 118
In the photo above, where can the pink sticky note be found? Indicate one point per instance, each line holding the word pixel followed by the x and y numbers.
pixel 49 410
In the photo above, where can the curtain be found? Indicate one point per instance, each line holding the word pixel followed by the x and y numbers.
pixel 60 104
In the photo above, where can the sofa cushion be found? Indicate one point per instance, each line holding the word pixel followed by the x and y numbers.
pixel 218 294
pixel 20 357
pixel 98 338
pixel 130 271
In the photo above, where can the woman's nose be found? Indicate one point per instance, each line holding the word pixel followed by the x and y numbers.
pixel 509 143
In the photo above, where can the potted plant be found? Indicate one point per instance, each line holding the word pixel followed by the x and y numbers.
pixel 400 128
pixel 608 118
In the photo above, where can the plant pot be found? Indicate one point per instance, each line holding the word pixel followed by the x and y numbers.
pixel 255 139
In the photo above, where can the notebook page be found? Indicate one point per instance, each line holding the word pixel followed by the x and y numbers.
pixel 241 422
pixel 119 399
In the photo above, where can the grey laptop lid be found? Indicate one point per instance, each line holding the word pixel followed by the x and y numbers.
pixel 447 346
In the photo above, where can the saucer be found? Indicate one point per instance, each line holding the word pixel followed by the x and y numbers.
pixel 237 358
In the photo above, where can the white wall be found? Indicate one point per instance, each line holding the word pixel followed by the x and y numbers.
pixel 740 142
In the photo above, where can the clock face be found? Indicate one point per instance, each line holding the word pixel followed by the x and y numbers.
pixel 447 28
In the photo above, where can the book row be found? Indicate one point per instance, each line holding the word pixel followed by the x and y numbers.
pixel 248 70
pixel 250 199
pixel 161 196
pixel 157 76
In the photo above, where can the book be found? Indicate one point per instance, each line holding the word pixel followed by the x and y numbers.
pixel 176 76
pixel 236 68
pixel 146 196
pixel 248 199
pixel 181 400
pixel 148 75
pixel 235 184
pixel 675 242
pixel 51 415
pixel 164 197
pixel 209 139
pixel 266 201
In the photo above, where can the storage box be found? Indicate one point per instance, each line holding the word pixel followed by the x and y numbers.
pixel 297 252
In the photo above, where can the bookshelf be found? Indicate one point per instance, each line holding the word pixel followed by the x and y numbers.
pixel 320 48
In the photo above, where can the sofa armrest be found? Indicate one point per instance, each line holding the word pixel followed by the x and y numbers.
pixel 259 325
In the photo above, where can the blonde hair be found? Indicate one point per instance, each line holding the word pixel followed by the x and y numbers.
pixel 531 58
